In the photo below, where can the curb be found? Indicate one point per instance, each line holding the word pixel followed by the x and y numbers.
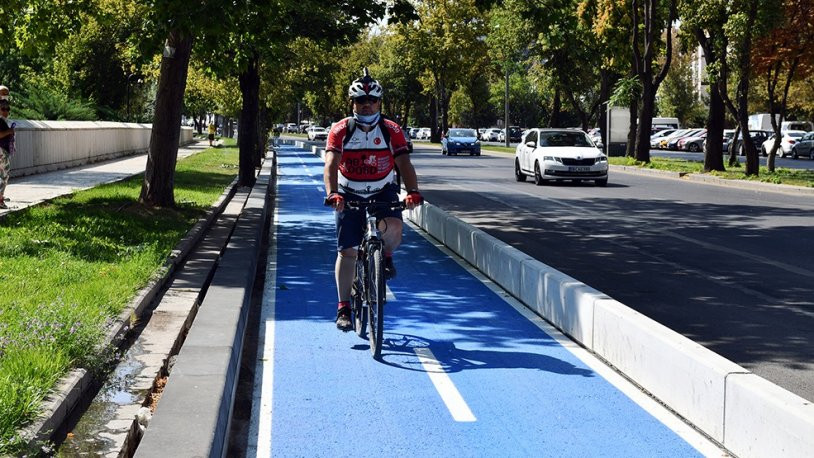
pixel 60 404
pixel 743 412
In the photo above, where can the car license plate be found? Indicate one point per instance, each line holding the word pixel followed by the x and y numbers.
pixel 579 169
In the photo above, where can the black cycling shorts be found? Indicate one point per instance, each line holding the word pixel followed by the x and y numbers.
pixel 350 224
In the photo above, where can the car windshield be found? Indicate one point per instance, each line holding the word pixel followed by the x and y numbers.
pixel 564 139
pixel 795 134
pixel 462 133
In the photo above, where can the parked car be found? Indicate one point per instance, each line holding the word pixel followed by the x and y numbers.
pixel 414 132
pixel 317 133
pixel 659 136
pixel 406 132
pixel 490 135
pixel 461 141
pixel 693 144
pixel 725 141
pixel 423 134
pixel 787 141
pixel 596 136
pixel 662 142
pixel 804 147
pixel 559 154
pixel 291 127
pixel 758 138
pixel 673 143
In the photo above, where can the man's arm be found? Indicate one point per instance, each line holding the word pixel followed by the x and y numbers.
pixel 331 174
pixel 409 177
pixel 331 177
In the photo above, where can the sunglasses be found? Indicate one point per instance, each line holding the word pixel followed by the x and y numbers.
pixel 365 99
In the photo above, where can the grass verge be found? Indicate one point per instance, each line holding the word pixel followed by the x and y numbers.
pixel 68 268
pixel 794 177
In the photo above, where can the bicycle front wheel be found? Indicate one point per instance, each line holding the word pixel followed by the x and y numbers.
pixel 376 297
pixel 357 300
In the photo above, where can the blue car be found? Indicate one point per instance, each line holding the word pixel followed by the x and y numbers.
pixel 461 141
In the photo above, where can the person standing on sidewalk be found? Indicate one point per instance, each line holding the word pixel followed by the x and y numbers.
pixel 362 154
pixel 212 130
pixel 6 144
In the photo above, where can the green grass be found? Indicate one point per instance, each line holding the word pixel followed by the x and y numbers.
pixel 794 177
pixel 70 266
pixel 498 149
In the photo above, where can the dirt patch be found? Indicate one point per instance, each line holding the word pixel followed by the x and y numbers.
pixel 155 395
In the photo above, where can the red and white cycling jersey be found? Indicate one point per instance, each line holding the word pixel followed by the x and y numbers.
pixel 367 162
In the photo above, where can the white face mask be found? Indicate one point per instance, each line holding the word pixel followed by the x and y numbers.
pixel 367 119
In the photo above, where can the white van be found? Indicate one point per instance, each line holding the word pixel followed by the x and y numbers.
pixel 761 121
pixel 665 123
pixel 796 125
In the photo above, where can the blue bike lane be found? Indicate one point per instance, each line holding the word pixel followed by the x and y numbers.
pixel 463 371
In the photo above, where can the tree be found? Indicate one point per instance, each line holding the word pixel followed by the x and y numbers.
pixel 448 36
pixel 745 20
pixel 654 21
pixel 785 53
pixel 677 96
pixel 704 21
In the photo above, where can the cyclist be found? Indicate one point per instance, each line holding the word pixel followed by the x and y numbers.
pixel 362 153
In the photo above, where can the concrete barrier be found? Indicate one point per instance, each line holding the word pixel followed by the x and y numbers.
pixel 763 419
pixel 43 146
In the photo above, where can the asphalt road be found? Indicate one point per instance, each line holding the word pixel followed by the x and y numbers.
pixel 731 269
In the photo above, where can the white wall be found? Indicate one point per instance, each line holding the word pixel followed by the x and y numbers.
pixel 42 146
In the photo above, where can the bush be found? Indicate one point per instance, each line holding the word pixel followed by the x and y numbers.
pixel 40 102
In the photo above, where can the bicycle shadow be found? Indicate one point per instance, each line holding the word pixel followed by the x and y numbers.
pixel 402 351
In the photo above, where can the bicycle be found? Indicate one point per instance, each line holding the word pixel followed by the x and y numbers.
pixel 368 293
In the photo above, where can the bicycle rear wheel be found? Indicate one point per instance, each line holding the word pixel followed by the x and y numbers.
pixel 357 300
pixel 375 300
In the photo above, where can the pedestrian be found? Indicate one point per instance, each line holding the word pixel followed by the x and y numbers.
pixel 6 144
pixel 212 131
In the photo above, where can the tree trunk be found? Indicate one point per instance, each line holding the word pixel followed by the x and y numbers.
pixel 435 136
pixel 645 120
pixel 556 108
pixel 630 150
pixel 262 137
pixel 733 147
pixel 247 129
pixel 714 155
pixel 159 175
pixel 607 81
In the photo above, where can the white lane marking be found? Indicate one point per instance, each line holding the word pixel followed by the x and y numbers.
pixel 655 408
pixel 443 384
pixel 262 392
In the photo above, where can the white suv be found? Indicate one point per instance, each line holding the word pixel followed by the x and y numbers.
pixel 317 133
pixel 559 154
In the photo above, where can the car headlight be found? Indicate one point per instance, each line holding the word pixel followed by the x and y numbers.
pixel 456 143
pixel 602 159
pixel 552 159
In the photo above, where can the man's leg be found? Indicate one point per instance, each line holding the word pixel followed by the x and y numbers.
pixel 344 270
pixel 391 234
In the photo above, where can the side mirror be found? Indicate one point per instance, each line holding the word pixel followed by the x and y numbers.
pixel 530 144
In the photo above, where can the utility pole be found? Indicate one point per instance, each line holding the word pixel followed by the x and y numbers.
pixel 506 113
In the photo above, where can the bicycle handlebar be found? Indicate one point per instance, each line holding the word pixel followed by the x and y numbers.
pixel 360 204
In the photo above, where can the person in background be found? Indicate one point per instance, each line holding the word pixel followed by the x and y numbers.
pixel 6 143
pixel 212 130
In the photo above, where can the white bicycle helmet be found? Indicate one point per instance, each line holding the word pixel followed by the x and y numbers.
pixel 365 85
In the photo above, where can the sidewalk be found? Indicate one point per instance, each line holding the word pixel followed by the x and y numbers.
pixel 30 190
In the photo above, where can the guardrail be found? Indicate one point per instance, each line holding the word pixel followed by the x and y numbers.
pixel 43 146
pixel 748 415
